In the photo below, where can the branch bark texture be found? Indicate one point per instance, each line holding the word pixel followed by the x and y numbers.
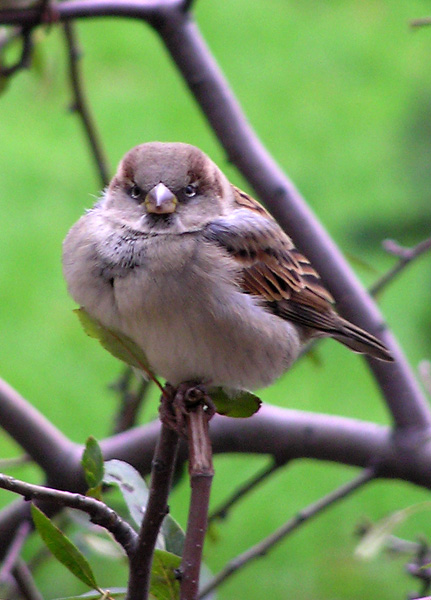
pixel 156 510
pixel 201 475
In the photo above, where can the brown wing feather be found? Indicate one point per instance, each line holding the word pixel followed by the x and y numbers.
pixel 275 269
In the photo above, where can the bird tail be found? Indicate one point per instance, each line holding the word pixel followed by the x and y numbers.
pixel 361 341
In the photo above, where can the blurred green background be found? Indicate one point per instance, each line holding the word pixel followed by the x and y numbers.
pixel 340 93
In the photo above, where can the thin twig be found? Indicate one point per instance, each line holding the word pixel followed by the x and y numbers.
pixel 130 400
pixel 25 581
pixel 16 461
pixel 100 513
pixel 424 21
pixel 25 57
pixel 405 256
pixel 157 507
pixel 80 104
pixel 240 492
pixel 396 545
pixel 201 475
pixel 301 518
pixel 14 550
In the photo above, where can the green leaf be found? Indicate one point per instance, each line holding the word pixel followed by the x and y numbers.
pixel 119 345
pixel 239 404
pixel 111 593
pixel 376 537
pixel 63 549
pixel 173 536
pixel 92 463
pixel 131 484
pixel 164 585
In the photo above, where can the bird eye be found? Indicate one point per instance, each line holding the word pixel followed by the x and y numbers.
pixel 135 191
pixel 190 190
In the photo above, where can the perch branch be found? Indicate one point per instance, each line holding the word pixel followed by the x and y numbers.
pixel 301 518
pixel 201 474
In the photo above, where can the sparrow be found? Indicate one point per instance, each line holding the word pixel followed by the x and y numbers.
pixel 199 275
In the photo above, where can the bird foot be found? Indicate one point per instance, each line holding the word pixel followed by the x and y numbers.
pixel 178 402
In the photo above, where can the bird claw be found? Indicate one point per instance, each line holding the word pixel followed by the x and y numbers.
pixel 178 402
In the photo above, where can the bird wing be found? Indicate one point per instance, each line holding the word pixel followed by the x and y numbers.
pixel 274 270
pixel 271 267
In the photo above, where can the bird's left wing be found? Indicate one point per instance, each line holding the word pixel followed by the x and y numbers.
pixel 271 266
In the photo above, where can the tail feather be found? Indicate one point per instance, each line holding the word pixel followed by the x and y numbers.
pixel 361 341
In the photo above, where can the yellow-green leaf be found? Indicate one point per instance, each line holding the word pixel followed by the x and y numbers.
pixel 92 463
pixel 63 549
pixel 376 536
pixel 239 404
pixel 164 583
pixel 119 345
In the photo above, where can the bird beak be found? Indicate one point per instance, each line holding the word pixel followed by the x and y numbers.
pixel 160 200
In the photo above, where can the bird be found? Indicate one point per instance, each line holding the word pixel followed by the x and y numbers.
pixel 199 275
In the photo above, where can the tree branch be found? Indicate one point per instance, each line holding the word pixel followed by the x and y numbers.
pixel 405 256
pixel 14 551
pixel 422 22
pixel 405 455
pixel 45 444
pixel 100 513
pixel 23 61
pixel 25 582
pixel 222 511
pixel 80 104
pixel 157 508
pixel 149 10
pixel 130 400
pixel 205 80
pixel 201 476
pixel 291 525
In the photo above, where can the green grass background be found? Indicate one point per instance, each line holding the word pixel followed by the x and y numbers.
pixel 340 93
